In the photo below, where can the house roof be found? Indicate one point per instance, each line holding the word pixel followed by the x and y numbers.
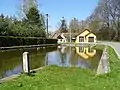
pixel 67 35
pixel 85 30
pixel 55 35
pixel 88 34
pixel 59 37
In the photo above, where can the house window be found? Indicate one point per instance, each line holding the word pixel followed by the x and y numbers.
pixel 81 39
pixel 90 39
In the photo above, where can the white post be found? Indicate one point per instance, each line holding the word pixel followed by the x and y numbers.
pixel 26 68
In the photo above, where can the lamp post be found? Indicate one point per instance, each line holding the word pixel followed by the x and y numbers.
pixel 70 36
pixel 47 24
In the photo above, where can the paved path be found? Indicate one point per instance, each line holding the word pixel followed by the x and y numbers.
pixel 114 45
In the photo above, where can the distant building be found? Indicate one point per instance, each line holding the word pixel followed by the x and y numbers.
pixel 55 35
pixel 61 38
pixel 86 36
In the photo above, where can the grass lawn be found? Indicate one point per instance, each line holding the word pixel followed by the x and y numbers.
pixel 56 78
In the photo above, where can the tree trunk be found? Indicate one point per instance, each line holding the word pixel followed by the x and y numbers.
pixel 116 35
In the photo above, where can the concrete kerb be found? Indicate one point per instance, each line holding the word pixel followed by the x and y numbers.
pixel 103 66
pixel 9 78
pixel 17 75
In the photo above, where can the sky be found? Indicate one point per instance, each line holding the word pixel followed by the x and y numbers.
pixel 56 9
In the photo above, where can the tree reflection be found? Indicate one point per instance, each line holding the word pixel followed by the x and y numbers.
pixel 63 56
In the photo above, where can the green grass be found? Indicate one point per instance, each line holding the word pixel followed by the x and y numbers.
pixel 56 78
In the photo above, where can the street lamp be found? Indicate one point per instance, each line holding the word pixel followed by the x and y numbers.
pixel 47 24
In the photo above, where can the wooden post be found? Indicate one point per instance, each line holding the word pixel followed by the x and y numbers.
pixel 26 67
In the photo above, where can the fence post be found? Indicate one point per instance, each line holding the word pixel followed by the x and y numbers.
pixel 26 67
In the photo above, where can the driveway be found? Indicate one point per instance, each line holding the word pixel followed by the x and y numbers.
pixel 114 45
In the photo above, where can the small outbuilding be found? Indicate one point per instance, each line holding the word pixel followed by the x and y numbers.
pixel 61 39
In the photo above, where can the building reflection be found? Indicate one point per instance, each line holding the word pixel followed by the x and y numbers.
pixel 85 52
pixel 63 55
pixel 76 56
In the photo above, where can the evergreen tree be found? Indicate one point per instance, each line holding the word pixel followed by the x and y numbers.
pixel 33 16
pixel 63 27
pixel 36 22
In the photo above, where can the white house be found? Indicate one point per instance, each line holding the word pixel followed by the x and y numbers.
pixel 61 38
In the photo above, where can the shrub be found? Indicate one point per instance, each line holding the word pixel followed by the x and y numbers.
pixel 20 41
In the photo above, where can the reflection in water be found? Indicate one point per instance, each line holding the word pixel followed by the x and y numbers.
pixel 84 57
pixel 11 60
pixel 57 57
pixel 85 52
pixel 63 56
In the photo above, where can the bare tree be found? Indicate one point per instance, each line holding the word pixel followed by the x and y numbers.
pixel 82 25
pixel 25 5
pixel 108 14
pixel 74 25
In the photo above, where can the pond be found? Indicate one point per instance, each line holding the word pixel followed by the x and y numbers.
pixel 83 57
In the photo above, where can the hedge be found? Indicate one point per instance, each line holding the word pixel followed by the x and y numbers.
pixel 20 41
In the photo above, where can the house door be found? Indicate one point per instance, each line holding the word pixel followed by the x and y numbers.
pixel 81 39
pixel 91 39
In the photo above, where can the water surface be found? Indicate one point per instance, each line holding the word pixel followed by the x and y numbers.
pixel 83 57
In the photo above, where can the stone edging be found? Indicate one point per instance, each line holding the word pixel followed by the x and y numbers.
pixel 103 66
pixel 9 78
pixel 27 46
pixel 17 75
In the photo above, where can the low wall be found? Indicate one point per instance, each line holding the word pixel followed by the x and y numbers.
pixel 27 46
